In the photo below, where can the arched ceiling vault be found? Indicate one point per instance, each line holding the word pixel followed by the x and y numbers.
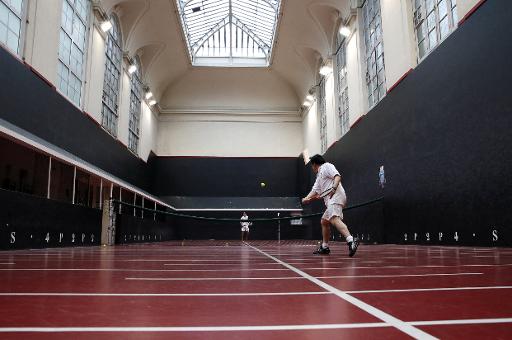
pixel 152 29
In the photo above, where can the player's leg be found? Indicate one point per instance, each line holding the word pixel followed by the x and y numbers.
pixel 352 242
pixel 342 227
pixel 326 234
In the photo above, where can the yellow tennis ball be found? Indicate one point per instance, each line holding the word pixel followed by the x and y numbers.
pixel 262 184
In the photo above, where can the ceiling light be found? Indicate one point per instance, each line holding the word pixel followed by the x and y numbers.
pixel 345 31
pixel 310 97
pixel 307 103
pixel 106 25
pixel 152 102
pixel 132 68
pixel 149 94
pixel 325 70
pixel 326 67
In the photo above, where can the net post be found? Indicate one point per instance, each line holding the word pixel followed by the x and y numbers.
pixel 278 230
pixel 108 223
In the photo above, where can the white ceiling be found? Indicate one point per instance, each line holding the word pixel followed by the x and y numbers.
pixel 151 29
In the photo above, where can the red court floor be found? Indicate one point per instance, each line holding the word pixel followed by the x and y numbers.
pixel 259 290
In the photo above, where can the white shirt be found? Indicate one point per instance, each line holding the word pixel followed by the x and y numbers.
pixel 325 181
pixel 244 224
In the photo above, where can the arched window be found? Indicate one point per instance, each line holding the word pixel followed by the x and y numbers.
pixel 375 77
pixel 72 48
pixel 341 85
pixel 322 112
pixel 11 23
pixel 110 99
pixel 433 21
pixel 135 107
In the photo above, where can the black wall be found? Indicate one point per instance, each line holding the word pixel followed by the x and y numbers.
pixel 444 138
pixel 33 105
pixel 235 177
pixel 131 229
pixel 33 222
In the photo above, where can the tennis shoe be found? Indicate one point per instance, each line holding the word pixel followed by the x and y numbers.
pixel 322 251
pixel 352 247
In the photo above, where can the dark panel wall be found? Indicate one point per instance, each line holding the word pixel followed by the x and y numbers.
pixel 130 229
pixel 30 103
pixel 32 222
pixel 236 177
pixel 444 137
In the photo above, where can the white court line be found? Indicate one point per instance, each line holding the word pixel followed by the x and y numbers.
pixel 259 294
pixel 211 278
pixel 394 267
pixel 170 260
pixel 392 275
pixel 221 264
pixel 137 270
pixel 387 318
pixel 286 277
pixel 165 294
pixel 461 322
pixel 195 329
pixel 426 289
pixel 252 328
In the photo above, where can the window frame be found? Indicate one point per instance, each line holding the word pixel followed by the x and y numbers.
pixel 322 114
pixel 113 114
pixel 452 25
pixel 343 102
pixel 373 54
pixel 85 53
pixel 136 95
pixel 22 31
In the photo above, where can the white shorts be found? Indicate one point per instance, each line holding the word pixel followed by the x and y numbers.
pixel 245 228
pixel 333 210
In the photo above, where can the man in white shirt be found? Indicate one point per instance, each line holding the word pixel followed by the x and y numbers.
pixel 328 186
pixel 245 227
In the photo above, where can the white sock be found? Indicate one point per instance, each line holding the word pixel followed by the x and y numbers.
pixel 324 245
pixel 350 239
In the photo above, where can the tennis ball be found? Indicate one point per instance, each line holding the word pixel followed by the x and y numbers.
pixel 262 184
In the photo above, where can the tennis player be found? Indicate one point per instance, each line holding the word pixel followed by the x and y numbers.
pixel 328 186
pixel 245 226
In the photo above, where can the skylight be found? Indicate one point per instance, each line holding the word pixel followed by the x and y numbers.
pixel 229 32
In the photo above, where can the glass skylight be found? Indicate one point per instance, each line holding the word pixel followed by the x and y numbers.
pixel 229 32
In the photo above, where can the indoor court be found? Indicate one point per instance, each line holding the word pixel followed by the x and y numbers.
pixel 258 290
pixel 255 169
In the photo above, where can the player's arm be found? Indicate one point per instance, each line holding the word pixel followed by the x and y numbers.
pixel 314 193
pixel 310 197
pixel 337 180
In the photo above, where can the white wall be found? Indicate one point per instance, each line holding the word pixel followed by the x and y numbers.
pixel 42 37
pixel 229 89
pixel 124 107
pixel 356 93
pixel 399 45
pixel 95 74
pixel 331 114
pixel 464 6
pixel 226 135
pixel 148 132
pixel 311 131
